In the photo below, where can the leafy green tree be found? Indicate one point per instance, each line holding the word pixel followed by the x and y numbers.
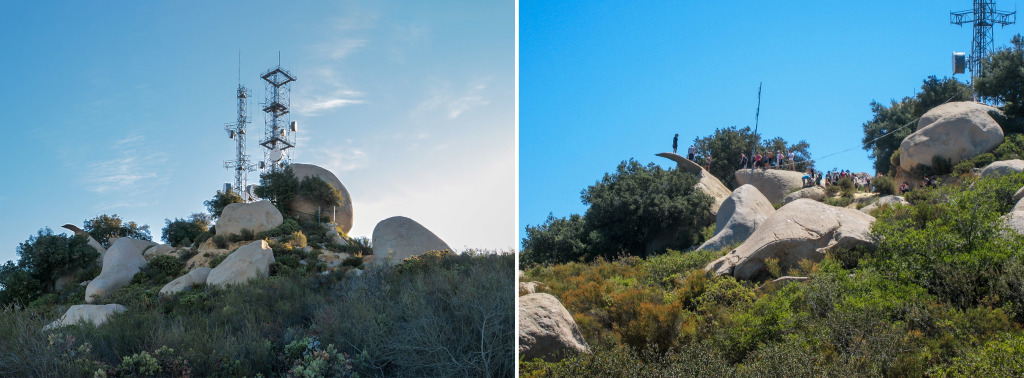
pixel 320 191
pixel 640 210
pixel 935 92
pixel 279 187
pixel 726 145
pixel 1003 79
pixel 42 259
pixel 884 133
pixel 221 200
pixel 181 232
pixel 558 240
pixel 104 227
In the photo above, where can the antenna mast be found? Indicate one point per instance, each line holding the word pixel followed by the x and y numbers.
pixel 983 17
pixel 241 165
pixel 757 117
pixel 279 134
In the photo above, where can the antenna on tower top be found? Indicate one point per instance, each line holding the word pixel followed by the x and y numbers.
pixel 279 134
pixel 982 17
pixel 236 131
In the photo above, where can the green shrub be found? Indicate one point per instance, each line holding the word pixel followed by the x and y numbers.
pixel 320 192
pixel 105 227
pixel 43 259
pixel 983 160
pixel 182 232
pixel 997 358
pixel 278 186
pixel 216 260
pixel 838 201
pixel 941 166
pixel 353 261
pixel 963 167
pixel 297 239
pixel 221 241
pixel 167 266
pixel 884 185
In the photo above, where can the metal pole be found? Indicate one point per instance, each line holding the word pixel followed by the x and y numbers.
pixel 757 117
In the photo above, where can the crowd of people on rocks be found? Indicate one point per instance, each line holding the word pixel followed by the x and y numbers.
pixel 780 159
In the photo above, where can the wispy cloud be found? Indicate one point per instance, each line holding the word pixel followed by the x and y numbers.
pixel 124 180
pixel 340 49
pixel 328 92
pixel 342 159
pixel 454 103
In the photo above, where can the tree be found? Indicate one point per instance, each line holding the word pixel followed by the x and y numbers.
pixel 1003 80
pixel 640 210
pixel 181 232
pixel 935 92
pixel 726 144
pixel 884 133
pixel 637 210
pixel 558 240
pixel 279 187
pixel 320 192
pixel 104 227
pixel 42 259
pixel 221 200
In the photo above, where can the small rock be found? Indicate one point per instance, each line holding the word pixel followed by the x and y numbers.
pixel 546 329
pixel 95 314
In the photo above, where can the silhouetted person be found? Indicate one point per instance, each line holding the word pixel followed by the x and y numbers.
pixel 675 143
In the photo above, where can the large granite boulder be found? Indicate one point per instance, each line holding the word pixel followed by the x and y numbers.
pixel 1002 168
pixel 706 183
pixel 775 184
pixel 340 213
pixel 120 263
pixel 803 229
pixel 815 193
pixel 1015 221
pixel 546 329
pixel 738 217
pixel 95 314
pixel 884 201
pixel 194 277
pixel 256 217
pixel 397 238
pixel 954 131
pixel 247 263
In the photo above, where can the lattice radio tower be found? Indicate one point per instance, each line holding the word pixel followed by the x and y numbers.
pixel 241 165
pixel 279 134
pixel 983 17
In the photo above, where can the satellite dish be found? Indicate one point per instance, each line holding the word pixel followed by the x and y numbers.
pixel 276 155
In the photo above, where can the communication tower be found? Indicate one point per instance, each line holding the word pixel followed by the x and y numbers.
pixel 241 165
pixel 983 17
pixel 279 134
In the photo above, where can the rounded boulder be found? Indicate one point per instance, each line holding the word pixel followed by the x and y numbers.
pixel 256 217
pixel 954 131
pixel 775 184
pixel 340 213
pixel 397 238
pixel 546 329
pixel 738 217
pixel 247 263
pixel 122 260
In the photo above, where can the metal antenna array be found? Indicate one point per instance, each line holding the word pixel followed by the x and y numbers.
pixel 983 17
pixel 241 165
pixel 279 135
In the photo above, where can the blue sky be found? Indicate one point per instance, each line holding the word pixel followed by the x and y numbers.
pixel 120 108
pixel 606 81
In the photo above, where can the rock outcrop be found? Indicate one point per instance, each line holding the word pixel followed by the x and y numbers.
pixel 815 193
pixel 883 201
pixel 738 217
pixel 256 217
pixel 707 183
pixel 157 250
pixel 546 329
pixel 92 241
pixel 1002 168
pixel 341 213
pixel 954 131
pixel 249 262
pixel 120 263
pixel 775 184
pixel 803 229
pixel 185 282
pixel 95 314
pixel 397 238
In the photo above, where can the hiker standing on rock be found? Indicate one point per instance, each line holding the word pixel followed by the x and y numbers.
pixel 691 152
pixel 792 160
pixel 743 160
pixel 675 143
